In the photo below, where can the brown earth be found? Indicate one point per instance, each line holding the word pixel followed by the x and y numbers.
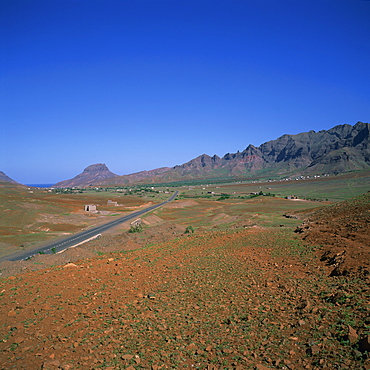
pixel 343 230
pixel 31 217
pixel 240 298
pixel 182 204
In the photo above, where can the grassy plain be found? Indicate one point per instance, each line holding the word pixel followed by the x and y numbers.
pixel 32 216
pixel 331 188
pixel 261 211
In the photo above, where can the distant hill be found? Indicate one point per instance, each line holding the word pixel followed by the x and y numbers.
pixel 147 177
pixel 6 178
pixel 91 175
pixel 341 149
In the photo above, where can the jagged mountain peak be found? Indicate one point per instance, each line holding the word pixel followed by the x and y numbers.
pixel 340 149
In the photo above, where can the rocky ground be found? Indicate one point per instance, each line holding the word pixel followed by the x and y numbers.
pixel 240 298
pixel 343 230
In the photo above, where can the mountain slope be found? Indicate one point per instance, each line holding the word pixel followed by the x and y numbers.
pixel 138 177
pixel 93 174
pixel 343 231
pixel 340 149
pixel 5 178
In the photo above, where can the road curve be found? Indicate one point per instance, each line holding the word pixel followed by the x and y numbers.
pixel 76 239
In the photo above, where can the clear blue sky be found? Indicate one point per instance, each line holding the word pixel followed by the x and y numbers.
pixel 142 84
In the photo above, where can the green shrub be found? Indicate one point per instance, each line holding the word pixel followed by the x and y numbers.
pixel 136 229
pixel 189 230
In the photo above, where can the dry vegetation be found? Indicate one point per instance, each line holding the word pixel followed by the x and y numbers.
pixel 32 216
pixel 244 291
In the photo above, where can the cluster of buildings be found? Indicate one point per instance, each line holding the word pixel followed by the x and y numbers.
pixel 92 207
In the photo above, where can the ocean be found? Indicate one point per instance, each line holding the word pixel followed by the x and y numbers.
pixel 40 185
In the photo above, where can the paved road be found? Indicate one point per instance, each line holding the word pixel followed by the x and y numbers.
pixel 73 240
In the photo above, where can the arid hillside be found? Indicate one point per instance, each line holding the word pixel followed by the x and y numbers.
pixel 343 230
pixel 32 216
pixel 92 174
pixel 241 297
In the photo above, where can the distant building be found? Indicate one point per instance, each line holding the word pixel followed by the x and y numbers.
pixel 136 222
pixel 90 207
pixel 112 203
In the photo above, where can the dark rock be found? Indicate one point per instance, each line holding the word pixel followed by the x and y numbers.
pixel 364 344
pixel 313 350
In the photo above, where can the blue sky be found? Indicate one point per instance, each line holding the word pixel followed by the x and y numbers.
pixel 142 84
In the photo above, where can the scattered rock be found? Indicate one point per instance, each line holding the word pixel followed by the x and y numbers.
pixel 313 350
pixel 51 365
pixel 127 357
pixel 66 367
pixel 261 367
pixel 303 304
pixel 367 364
pixel 286 215
pixel 18 340
pixel 338 298
pixel 352 335
pixel 233 291
pixel 11 313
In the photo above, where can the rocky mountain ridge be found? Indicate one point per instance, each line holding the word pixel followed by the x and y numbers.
pixel 341 149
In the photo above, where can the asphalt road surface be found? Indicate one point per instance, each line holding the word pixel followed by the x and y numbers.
pixel 80 238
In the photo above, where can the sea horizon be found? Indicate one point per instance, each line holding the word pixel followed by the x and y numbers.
pixel 40 185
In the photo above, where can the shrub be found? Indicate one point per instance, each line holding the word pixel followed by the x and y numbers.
pixel 136 229
pixel 189 230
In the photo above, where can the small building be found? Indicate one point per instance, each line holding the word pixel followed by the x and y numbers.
pixel 90 207
pixel 112 203
pixel 136 222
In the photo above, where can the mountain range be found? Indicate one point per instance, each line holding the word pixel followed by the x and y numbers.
pixel 341 149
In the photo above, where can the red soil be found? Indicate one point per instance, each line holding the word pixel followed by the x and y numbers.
pixel 246 298
pixel 343 231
